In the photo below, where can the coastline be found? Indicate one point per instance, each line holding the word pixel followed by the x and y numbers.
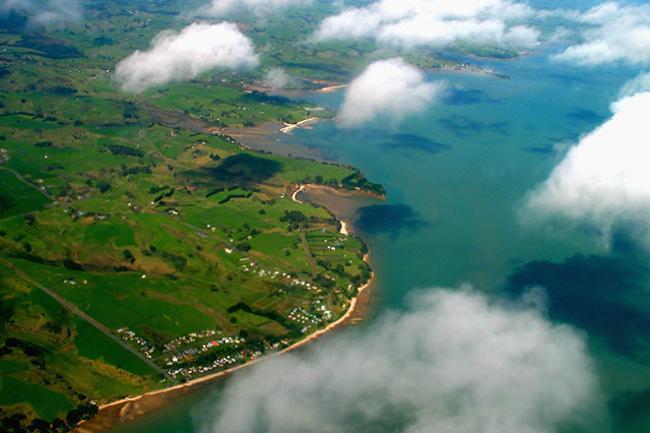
pixel 332 88
pixel 289 127
pixel 131 408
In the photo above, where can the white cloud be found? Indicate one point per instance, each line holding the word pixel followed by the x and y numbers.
pixel 604 180
pixel 180 56
pixel 277 78
pixel 614 33
pixel 50 12
pixel 453 363
pixel 259 7
pixel 387 88
pixel 412 23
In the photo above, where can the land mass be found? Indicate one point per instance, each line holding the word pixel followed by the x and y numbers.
pixel 142 244
pixel 141 247
pixel 128 409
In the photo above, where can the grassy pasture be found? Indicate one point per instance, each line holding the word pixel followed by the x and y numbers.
pixel 18 198
pixel 155 225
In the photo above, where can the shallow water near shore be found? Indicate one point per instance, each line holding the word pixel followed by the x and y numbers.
pixel 456 178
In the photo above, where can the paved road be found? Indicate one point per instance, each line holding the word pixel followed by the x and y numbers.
pixel 77 312
pixel 310 256
pixel 26 182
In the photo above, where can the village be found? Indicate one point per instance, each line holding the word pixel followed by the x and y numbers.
pixel 202 352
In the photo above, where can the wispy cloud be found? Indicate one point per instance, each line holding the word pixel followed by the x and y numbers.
pixel 434 23
pixel 184 55
pixel 50 12
pixel 453 363
pixel 604 180
pixel 277 78
pixel 614 33
pixel 390 89
pixel 222 8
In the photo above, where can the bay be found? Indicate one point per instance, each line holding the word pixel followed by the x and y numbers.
pixel 457 177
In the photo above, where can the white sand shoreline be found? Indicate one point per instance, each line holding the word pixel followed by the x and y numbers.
pixel 289 127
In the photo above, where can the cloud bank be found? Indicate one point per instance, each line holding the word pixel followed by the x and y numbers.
pixel 50 12
pixel 223 8
pixel 387 88
pixel 604 180
pixel 454 363
pixel 181 56
pixel 614 33
pixel 413 23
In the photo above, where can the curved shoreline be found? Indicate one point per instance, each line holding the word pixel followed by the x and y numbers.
pixel 131 408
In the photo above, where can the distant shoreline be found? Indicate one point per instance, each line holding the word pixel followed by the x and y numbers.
pixel 131 408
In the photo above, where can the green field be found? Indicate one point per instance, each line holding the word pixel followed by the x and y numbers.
pixel 138 248
pixel 17 197
pixel 47 404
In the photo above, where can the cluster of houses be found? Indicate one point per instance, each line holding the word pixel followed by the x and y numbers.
pixel 306 284
pixel 72 282
pixel 251 267
pixel 184 348
pixel 186 354
pixel 217 364
pixel 146 348
pixel 323 310
pixel 177 355
pixel 308 319
pixel 4 155
pixel 190 338
pixel 336 243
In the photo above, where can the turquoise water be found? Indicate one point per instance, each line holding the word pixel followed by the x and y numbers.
pixel 456 177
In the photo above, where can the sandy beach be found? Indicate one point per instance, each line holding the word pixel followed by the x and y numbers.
pixel 294 196
pixel 289 127
pixel 331 89
pixel 130 408
pixel 344 228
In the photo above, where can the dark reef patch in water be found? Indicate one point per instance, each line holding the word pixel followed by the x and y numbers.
pixel 387 219
pixel 461 125
pixel 606 296
pixel 415 142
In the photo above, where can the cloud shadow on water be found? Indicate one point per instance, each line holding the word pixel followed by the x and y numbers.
pixel 630 411
pixel 390 220
pixel 586 116
pixel 415 142
pixel 461 125
pixel 460 96
pixel 604 296
pixel 542 150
